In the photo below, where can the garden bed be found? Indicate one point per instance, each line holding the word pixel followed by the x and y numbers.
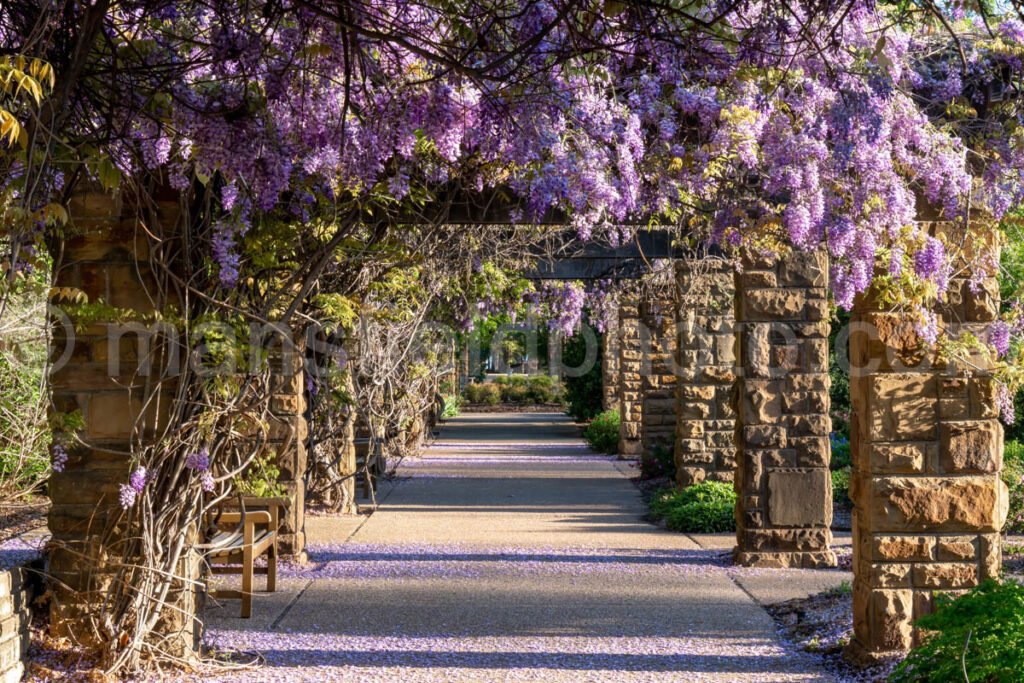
pixel 513 408
pixel 822 624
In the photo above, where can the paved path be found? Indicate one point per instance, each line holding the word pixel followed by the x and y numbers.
pixel 509 552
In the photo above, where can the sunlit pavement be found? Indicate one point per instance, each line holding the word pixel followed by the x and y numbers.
pixel 510 552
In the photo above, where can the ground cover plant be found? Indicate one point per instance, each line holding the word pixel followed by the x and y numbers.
pixel 708 507
pixel 978 636
pixel 1013 476
pixel 602 434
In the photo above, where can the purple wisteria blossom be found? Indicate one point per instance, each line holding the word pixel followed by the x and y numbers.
pixel 200 462
pixel 931 263
pixel 999 337
pixel 1005 401
pixel 58 457
pixel 130 492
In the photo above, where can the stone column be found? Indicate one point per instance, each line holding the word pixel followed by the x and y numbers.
pixel 705 446
pixel 784 487
pixel 120 387
pixel 288 438
pixel 927 452
pixel 658 380
pixel 631 354
pixel 610 365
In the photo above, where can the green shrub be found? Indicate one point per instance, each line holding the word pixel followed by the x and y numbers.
pixel 25 430
pixel 452 406
pixel 472 393
pixel 1013 475
pixel 582 394
pixel 841 486
pixel 707 507
pixel 603 432
pixel 545 389
pixel 483 392
pixel 980 634
pixel 840 452
pixel 516 391
pixel 491 395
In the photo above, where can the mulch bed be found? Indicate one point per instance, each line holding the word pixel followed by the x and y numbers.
pixel 823 625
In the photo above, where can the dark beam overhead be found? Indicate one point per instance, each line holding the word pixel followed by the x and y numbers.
pixel 595 261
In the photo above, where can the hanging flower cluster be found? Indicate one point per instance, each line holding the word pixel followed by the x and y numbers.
pixel 134 488
pixel 200 462
pixel 751 131
pixel 830 145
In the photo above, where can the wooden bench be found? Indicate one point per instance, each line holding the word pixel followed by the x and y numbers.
pixel 236 542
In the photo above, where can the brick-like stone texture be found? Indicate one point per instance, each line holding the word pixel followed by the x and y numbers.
pixel 288 437
pixel 705 448
pixel 658 379
pixel 631 354
pixel 610 365
pixel 927 452
pixel 783 483
pixel 111 376
pixel 18 587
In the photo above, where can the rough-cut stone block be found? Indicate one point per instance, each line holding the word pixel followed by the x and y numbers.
pixel 945 575
pixel 892 611
pixel 957 548
pixel 689 476
pixel 764 436
pixel 904 407
pixel 904 504
pixel 812 451
pixel 974 446
pixel 902 458
pixel 774 304
pixel 890 576
pixel 804 269
pixel 904 548
pixel 762 401
pixel 991 555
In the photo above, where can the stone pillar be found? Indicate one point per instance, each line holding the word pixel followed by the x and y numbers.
pixel 658 380
pixel 705 446
pixel 121 388
pixel 288 438
pixel 784 487
pixel 631 354
pixel 927 452
pixel 610 365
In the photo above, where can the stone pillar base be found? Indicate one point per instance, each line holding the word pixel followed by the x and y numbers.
pixel 860 657
pixel 799 560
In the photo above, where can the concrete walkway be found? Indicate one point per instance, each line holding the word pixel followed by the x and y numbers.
pixel 510 552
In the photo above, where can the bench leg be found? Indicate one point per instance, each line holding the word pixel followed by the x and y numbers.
pixel 272 567
pixel 247 571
